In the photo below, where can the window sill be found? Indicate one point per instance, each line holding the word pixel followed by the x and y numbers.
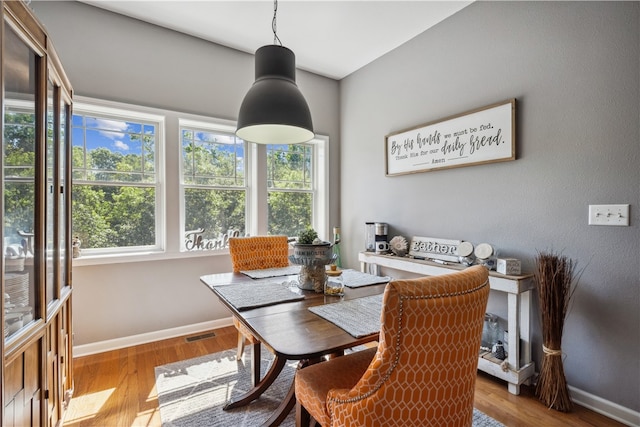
pixel 86 260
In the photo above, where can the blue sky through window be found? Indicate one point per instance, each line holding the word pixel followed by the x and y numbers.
pixel 118 136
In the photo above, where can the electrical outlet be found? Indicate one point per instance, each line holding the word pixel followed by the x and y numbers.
pixel 609 215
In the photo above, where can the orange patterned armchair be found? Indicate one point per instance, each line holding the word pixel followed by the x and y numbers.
pixel 424 369
pixel 256 253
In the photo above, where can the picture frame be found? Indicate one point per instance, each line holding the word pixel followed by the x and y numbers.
pixel 480 136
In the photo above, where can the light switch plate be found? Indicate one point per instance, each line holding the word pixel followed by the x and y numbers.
pixel 617 215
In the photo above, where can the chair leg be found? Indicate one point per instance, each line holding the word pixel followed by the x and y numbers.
pixel 303 418
pixel 240 346
pixel 255 363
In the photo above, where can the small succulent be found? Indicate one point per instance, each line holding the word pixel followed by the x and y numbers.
pixel 308 236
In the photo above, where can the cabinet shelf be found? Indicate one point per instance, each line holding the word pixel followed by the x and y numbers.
pixel 518 368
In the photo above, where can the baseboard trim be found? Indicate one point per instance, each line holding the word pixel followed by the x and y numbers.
pixel 609 409
pixel 118 343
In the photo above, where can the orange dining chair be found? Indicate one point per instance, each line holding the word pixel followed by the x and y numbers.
pixel 422 372
pixel 256 253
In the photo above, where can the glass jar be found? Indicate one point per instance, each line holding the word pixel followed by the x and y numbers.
pixel 490 331
pixel 334 285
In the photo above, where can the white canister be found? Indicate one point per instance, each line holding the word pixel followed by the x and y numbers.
pixel 465 253
pixel 485 255
pixel 484 251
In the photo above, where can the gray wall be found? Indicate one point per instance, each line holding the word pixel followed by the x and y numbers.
pixel 111 57
pixel 574 68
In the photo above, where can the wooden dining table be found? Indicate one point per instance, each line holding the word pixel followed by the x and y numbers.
pixel 290 331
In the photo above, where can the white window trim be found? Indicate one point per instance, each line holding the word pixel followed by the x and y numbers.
pixel 321 180
pixel 121 111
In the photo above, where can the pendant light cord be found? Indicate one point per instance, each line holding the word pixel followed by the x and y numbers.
pixel 274 25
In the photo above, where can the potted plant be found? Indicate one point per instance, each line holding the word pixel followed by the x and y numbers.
pixel 309 246
pixel 312 254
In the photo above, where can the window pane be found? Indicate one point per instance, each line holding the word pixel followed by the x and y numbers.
pixel 62 216
pixel 114 216
pixel 51 200
pixel 212 158
pixel 78 151
pixel 289 212
pixel 215 212
pixel 111 150
pixel 289 166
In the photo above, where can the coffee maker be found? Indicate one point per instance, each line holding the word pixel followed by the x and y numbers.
pixel 381 245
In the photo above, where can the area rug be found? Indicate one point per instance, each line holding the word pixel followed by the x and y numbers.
pixel 191 393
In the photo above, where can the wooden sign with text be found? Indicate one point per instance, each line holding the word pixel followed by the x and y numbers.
pixel 434 248
pixel 484 135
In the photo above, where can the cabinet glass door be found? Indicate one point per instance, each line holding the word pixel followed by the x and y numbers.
pixel 64 234
pixel 51 192
pixel 21 297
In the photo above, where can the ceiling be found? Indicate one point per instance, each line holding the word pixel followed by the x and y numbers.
pixel 330 38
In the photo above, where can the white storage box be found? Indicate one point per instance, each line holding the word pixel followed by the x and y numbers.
pixel 510 266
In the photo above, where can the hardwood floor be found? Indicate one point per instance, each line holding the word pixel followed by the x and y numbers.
pixel 117 388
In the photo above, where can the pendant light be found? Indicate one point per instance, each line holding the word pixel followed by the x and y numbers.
pixel 273 110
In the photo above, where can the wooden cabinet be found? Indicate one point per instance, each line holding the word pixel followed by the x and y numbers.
pixel 519 366
pixel 35 280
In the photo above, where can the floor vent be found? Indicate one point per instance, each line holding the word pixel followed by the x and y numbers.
pixel 200 337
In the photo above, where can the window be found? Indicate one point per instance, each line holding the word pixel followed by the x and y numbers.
pixel 233 188
pixel 290 188
pixel 129 205
pixel 214 186
pixel 116 181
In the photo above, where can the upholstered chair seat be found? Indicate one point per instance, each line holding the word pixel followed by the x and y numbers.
pixel 256 253
pixel 422 372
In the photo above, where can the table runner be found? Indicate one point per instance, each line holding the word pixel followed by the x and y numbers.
pixel 358 317
pixel 244 296
pixel 357 279
pixel 272 272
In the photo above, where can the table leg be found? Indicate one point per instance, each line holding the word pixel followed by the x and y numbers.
pixel 255 363
pixel 288 402
pixel 283 410
pixel 255 392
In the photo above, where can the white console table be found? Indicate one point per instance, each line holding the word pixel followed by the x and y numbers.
pixel 518 367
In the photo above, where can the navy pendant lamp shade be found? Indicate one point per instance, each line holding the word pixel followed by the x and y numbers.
pixel 273 110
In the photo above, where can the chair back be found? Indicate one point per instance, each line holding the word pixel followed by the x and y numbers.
pixel 258 252
pixel 425 367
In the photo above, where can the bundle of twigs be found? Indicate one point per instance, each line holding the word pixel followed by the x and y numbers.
pixel 554 276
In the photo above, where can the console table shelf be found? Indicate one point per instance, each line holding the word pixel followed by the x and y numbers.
pixel 518 367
